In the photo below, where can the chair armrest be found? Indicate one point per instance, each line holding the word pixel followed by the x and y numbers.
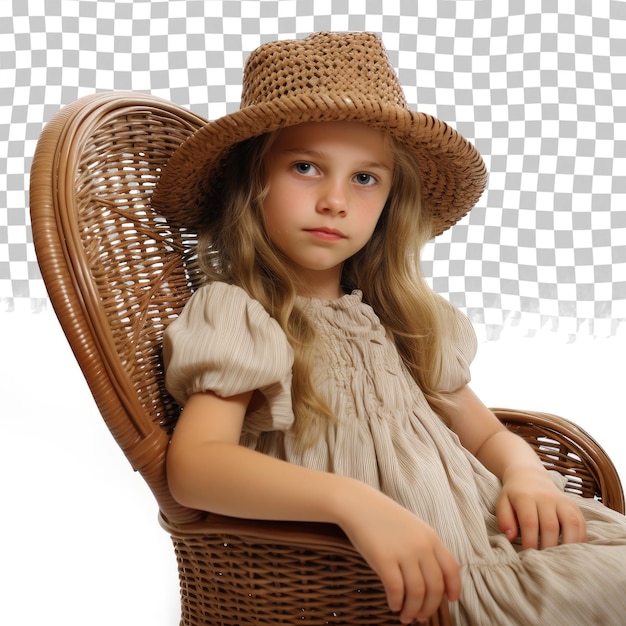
pixel 274 570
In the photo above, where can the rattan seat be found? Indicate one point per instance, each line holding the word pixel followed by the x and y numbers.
pixel 117 273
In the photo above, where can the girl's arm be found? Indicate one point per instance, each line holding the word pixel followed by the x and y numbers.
pixel 530 502
pixel 208 470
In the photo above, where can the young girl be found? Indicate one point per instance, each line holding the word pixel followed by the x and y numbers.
pixel 321 378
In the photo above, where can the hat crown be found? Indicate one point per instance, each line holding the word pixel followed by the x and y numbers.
pixel 344 65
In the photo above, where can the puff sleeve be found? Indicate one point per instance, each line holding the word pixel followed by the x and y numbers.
pixel 459 347
pixel 225 342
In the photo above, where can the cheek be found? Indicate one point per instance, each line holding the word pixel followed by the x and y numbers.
pixel 374 219
pixel 275 226
pixel 274 218
pixel 377 211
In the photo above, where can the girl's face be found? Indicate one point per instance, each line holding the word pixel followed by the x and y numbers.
pixel 327 186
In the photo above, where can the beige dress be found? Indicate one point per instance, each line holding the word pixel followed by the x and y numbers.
pixel 388 436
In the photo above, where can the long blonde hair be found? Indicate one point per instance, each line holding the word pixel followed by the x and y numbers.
pixel 235 248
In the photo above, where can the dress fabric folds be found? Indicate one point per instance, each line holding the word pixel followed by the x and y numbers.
pixel 387 435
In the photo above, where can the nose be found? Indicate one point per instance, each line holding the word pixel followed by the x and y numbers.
pixel 333 198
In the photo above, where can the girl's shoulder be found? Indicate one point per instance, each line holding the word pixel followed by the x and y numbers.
pixel 227 312
pixel 458 344
pixel 217 293
pixel 225 341
pixel 457 326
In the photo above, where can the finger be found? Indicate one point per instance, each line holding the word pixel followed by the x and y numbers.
pixel 442 578
pixel 433 578
pixel 393 582
pixel 528 519
pixel 415 592
pixel 549 526
pixel 573 525
pixel 451 574
pixel 507 521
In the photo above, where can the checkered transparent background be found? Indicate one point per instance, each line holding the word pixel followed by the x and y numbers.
pixel 539 86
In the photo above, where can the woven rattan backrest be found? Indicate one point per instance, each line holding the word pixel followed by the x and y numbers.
pixel 116 273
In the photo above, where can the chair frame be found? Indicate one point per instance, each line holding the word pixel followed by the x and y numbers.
pixel 116 275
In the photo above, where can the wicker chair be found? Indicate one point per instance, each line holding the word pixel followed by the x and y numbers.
pixel 117 274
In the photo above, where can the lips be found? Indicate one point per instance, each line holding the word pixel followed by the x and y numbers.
pixel 327 234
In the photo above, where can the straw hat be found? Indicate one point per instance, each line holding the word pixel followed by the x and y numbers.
pixel 324 77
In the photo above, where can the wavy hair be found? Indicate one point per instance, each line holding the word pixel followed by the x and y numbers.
pixel 234 248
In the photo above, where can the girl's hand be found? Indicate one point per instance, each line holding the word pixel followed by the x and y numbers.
pixel 415 567
pixel 531 503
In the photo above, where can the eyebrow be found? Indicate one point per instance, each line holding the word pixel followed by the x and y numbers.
pixel 315 154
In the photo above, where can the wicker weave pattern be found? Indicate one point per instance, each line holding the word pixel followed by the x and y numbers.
pixel 323 64
pixel 117 273
pixel 133 255
pixel 282 584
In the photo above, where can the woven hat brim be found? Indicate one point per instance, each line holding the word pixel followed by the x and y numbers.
pixel 452 172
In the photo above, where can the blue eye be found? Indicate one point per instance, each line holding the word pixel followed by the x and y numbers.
pixel 304 168
pixel 365 179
